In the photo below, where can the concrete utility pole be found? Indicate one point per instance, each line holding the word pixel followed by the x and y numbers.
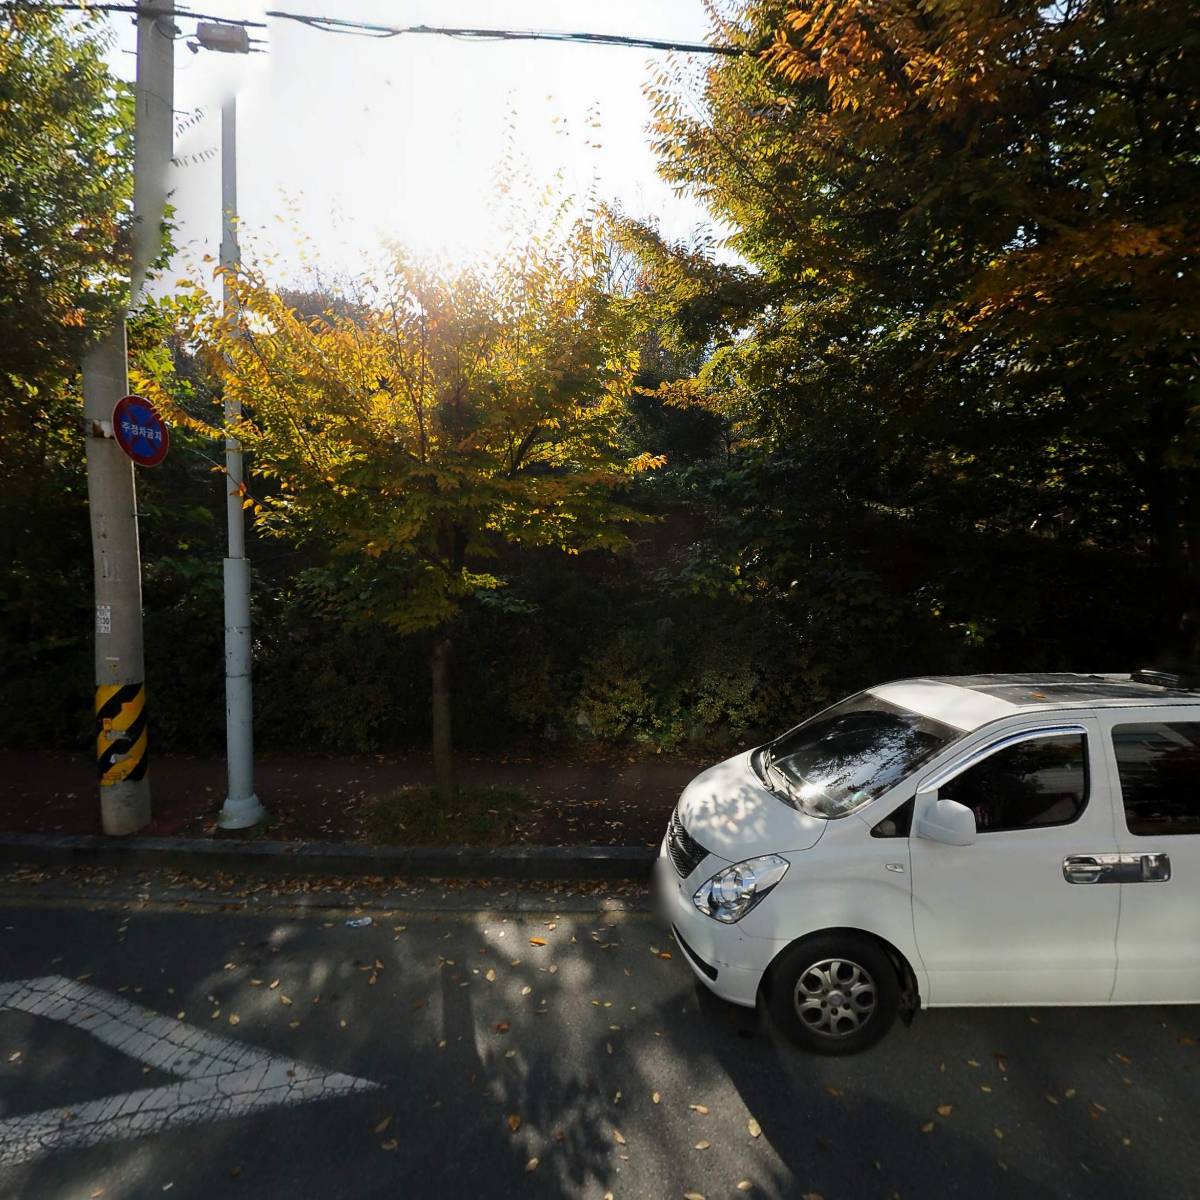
pixel 121 734
pixel 241 808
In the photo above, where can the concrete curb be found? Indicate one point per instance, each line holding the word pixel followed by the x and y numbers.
pixel 336 858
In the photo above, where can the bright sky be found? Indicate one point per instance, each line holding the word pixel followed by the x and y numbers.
pixel 356 141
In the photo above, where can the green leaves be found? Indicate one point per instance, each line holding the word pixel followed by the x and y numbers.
pixel 453 413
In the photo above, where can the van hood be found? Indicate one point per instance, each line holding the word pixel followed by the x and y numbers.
pixel 731 814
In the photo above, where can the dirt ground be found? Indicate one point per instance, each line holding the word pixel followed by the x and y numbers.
pixel 573 801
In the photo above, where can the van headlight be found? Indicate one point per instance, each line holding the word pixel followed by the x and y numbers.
pixel 730 894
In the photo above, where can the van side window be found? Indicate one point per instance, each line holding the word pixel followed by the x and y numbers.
pixel 1030 785
pixel 897 824
pixel 1159 768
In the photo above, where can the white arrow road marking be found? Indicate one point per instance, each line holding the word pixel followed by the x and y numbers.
pixel 219 1077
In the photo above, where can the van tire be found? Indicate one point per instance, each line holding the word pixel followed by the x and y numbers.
pixel 833 993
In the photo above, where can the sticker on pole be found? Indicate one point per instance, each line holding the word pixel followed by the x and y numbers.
pixel 140 431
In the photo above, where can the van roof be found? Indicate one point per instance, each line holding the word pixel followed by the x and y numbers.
pixel 969 701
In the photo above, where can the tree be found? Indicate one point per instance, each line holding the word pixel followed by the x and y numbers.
pixel 975 231
pixel 65 196
pixel 440 416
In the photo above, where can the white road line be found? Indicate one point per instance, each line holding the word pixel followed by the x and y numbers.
pixel 220 1078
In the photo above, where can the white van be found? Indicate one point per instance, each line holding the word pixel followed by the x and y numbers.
pixel 979 840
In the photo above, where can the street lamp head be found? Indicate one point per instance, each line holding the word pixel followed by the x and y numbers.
pixel 228 39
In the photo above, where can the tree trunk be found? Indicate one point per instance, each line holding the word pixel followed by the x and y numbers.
pixel 443 754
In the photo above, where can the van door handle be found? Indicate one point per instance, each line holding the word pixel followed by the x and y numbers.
pixel 1154 868
pixel 1117 868
pixel 1083 868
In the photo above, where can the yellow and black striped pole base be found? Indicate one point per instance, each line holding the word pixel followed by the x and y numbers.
pixel 121 733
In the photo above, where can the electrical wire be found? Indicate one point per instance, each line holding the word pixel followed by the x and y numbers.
pixel 369 29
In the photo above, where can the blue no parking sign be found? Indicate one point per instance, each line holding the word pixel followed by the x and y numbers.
pixel 140 431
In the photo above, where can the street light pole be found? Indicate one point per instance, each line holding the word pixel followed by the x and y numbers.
pixel 241 808
pixel 120 702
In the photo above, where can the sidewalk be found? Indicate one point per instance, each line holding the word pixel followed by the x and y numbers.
pixel 573 801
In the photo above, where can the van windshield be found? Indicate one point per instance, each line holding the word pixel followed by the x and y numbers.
pixel 838 761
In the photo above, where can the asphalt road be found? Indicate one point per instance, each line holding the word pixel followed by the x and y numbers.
pixel 585 1066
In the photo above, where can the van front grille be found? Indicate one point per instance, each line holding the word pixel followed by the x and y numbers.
pixel 686 853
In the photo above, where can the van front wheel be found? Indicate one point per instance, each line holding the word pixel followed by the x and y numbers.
pixel 834 993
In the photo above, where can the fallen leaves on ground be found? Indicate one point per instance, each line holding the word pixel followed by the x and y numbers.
pixel 618 1137
pixel 384 1123
pixel 537 941
pixel 703 1144
pixel 514 1121
pixel 390 1144
pixel 656 1098
pixel 702 1109
pixel 754 1127
pixel 927 1127
pixel 532 1164
pixel 944 1110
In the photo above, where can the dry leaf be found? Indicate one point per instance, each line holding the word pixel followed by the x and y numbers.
pixel 830 1090
pixel 532 1164
pixel 944 1110
pixel 927 1127
pixel 754 1127
pixel 502 1026
pixel 514 1121
pixel 234 1018
pixel 744 1185
pixel 491 975
pixel 702 1109
pixel 526 990
pixel 536 941
pixel 285 999
pixel 656 1098
pixel 390 1144
pixel 618 1137
pixel 273 984
pixel 384 1123
pixel 693 1196
pixel 703 1145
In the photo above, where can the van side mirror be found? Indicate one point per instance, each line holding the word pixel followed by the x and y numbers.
pixel 944 821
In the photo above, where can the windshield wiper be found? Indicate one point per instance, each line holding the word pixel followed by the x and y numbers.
pixel 787 787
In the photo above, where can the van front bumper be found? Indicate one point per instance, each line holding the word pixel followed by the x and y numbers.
pixel 729 965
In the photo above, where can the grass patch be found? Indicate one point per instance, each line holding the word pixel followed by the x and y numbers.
pixel 477 817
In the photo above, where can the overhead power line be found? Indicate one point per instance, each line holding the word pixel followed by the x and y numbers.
pixel 370 29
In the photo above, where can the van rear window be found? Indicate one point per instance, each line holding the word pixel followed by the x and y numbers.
pixel 843 758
